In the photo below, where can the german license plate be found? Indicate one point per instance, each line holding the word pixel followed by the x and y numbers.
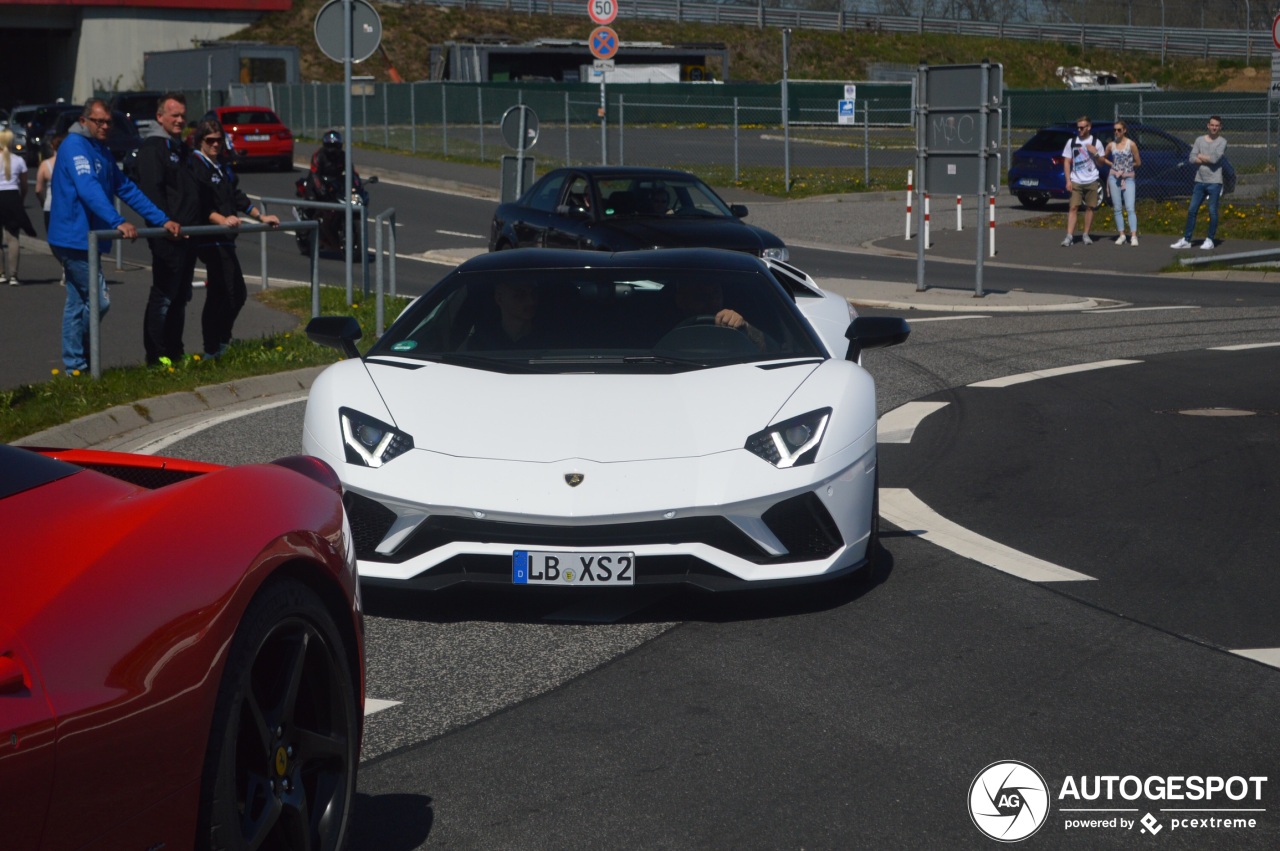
pixel 551 568
pixel 257 137
pixel 1029 181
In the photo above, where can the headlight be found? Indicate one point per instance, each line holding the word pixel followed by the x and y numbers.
pixel 793 442
pixel 370 442
pixel 776 254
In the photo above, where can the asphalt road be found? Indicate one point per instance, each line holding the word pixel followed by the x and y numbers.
pixel 832 718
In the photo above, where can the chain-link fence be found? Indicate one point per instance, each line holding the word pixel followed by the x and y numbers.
pixel 736 133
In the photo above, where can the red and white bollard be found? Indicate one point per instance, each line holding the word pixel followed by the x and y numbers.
pixel 910 187
pixel 959 210
pixel 926 220
pixel 991 226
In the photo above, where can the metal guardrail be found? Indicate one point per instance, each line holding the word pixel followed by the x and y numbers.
pixel 387 217
pixel 1185 41
pixel 95 269
pixel 364 233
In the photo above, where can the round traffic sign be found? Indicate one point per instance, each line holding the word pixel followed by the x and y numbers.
pixel 366 30
pixel 511 120
pixel 602 11
pixel 604 43
pixel 1275 32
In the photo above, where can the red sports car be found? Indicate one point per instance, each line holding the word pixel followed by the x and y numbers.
pixel 257 136
pixel 181 653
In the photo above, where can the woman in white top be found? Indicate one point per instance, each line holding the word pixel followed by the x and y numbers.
pixel 1123 157
pixel 44 178
pixel 13 218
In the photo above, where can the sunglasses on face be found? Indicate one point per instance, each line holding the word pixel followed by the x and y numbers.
pixel 101 122
pixel 1118 129
pixel 1082 126
pixel 212 140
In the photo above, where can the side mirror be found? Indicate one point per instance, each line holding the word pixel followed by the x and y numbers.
pixel 370 180
pixel 336 332
pixel 875 332
pixel 739 210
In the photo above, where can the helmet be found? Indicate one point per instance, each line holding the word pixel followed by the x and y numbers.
pixel 332 140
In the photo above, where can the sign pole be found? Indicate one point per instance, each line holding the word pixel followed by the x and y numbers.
pixel 922 118
pixel 346 148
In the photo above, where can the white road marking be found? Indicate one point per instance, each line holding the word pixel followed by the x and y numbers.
pixel 1023 377
pixel 1242 347
pixel 1265 655
pixel 899 425
pixel 372 705
pixel 903 509
pixel 460 233
pixel 946 318
pixel 1137 309
pixel 173 437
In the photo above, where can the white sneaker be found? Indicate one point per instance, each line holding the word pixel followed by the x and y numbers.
pixel 1207 245
pixel 1133 240
pixel 1182 243
pixel 1066 243
pixel 1121 239
pixel 14 282
pixel 1086 239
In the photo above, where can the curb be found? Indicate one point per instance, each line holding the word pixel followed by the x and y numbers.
pixel 94 429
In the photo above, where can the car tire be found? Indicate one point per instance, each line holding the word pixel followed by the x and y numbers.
pixel 280 769
pixel 1033 200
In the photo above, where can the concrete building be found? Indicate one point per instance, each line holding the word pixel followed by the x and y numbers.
pixel 70 48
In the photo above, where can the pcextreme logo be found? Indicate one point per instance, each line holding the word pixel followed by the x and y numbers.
pixel 1008 801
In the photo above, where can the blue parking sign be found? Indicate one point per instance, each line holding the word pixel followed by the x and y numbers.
pixel 846 112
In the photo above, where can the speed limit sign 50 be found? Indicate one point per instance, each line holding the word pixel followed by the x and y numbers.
pixel 602 11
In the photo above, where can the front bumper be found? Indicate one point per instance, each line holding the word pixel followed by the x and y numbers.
pixel 738 531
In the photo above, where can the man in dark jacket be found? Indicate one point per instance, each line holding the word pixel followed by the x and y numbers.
pixel 164 175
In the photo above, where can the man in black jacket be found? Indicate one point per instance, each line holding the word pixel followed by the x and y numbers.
pixel 162 172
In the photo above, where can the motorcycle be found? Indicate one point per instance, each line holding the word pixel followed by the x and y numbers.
pixel 318 187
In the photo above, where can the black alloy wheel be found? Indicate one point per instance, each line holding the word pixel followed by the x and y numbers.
pixel 280 772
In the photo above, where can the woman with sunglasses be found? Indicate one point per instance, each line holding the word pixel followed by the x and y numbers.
pixel 1122 155
pixel 223 203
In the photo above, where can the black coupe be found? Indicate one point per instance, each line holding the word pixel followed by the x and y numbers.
pixel 604 208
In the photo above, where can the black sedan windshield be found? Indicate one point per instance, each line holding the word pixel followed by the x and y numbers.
pixel 615 319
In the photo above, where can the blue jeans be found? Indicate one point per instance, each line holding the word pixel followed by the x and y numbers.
pixel 1122 201
pixel 75 315
pixel 1212 191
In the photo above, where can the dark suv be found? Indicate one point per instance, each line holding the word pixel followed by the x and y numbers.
pixel 1036 174
pixel 139 106
pixel 31 127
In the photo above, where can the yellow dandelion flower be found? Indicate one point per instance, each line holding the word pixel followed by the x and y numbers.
pixel 55 372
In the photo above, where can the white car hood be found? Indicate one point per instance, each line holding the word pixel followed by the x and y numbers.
pixel 602 417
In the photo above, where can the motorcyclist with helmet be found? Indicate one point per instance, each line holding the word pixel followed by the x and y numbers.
pixel 324 183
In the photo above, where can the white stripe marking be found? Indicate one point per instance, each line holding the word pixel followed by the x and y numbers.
pixel 1023 377
pixel 899 425
pixel 1265 655
pixel 1138 309
pixel 903 509
pixel 372 705
pixel 460 233
pixel 1242 347
pixel 946 318
pixel 173 437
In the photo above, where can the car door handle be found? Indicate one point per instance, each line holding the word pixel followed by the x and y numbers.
pixel 12 676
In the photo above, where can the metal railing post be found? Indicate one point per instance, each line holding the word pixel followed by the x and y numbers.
pixel 119 246
pixel 444 118
pixel 378 308
pixel 364 250
pixel 622 132
pixel 735 140
pixel 866 143
pixel 566 129
pixel 480 117
pixel 413 117
pixel 95 333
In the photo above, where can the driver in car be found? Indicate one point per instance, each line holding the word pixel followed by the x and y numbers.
pixel 706 298
pixel 517 308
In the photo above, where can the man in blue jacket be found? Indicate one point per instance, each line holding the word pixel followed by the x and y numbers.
pixel 85 180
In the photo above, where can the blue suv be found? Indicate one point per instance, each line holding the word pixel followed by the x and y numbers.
pixel 1036 175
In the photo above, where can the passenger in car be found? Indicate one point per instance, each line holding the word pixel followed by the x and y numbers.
pixel 513 326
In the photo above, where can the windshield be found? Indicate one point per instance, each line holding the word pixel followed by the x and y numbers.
pixel 1048 140
pixel 249 116
pixel 602 319
pixel 659 196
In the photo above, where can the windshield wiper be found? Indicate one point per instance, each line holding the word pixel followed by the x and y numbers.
pixel 663 359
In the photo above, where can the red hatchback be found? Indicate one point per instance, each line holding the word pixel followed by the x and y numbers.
pixel 257 135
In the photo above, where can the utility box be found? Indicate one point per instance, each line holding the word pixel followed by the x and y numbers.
pixel 219 65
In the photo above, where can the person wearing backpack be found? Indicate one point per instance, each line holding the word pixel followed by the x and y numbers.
pixel 1079 163
pixel 164 175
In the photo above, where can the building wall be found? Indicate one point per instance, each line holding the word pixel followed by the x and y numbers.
pixel 113 40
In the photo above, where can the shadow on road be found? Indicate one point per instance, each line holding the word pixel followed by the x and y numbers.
pixel 390 822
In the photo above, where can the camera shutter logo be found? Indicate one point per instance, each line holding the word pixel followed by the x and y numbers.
pixel 1008 801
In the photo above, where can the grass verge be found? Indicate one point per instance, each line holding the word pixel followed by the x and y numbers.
pixel 34 407
pixel 1253 220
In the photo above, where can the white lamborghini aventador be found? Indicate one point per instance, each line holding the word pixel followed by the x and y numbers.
pixel 583 419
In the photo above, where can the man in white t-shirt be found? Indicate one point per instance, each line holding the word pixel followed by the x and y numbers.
pixel 1083 181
